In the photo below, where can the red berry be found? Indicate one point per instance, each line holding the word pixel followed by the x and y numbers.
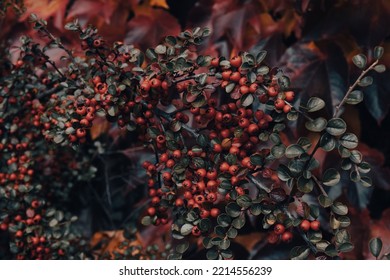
pixel 305 225
pixel 289 96
pixel 279 228
pixel 217 148
pixel 286 108
pixel 272 91
pixel 81 132
pixel 145 86
pixel 244 89
pixel 215 62
pixel 226 75
pixel 315 225
pixel 179 202
pixel 235 77
pixel 287 236
pixel 214 212
pixel 204 214
pixel 196 231
pixel 155 83
pixel 236 61
pixel 167 176
pixel 212 174
pixel 201 172
pixel 253 88
pixel 272 238
pixel 151 211
pixel 177 154
pixel 279 104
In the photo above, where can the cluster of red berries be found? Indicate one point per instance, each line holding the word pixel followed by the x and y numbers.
pixel 280 233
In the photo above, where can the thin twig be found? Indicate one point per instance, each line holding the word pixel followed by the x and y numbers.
pixel 352 87
pixel 319 185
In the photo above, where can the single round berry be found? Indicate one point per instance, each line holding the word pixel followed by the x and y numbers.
pixel 287 236
pixel 305 225
pixel 279 229
pixel 279 104
pixel 272 238
pixel 315 225
pixel 236 61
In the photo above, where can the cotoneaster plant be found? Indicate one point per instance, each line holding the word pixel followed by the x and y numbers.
pixel 216 125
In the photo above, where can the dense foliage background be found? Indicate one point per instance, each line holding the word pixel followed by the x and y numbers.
pixel 312 41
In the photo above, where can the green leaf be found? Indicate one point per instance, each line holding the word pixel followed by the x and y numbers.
pixel 260 56
pixel 331 177
pixel 233 209
pixel 344 152
pixel 146 221
pixel 366 181
pixel 354 176
pixel 255 209
pixel 299 253
pixel 239 222
pixel 364 167
pixel 305 185
pixel 181 248
pixel 380 68
pixel 315 104
pixel 378 52
pixel 284 173
pixel 304 142
pixel 345 221
pixel 349 140
pixel 375 246
pixel 232 233
pixel 314 236
pixel 244 201
pixel 212 254
pixel 360 60
pixel 345 247
pixel 356 156
pixel 336 127
pixel 220 231
pixel 160 49
pixel 257 160
pixel 186 229
pixel 294 150
pixel 224 244
pixel 331 250
pixel 366 81
pixel 247 100
pixel 324 201
pixel 224 220
pixel 153 132
pixel 316 125
pixel 151 54
pixel 296 166
pixel 205 225
pixel 227 254
pixel 53 222
pixel 327 142
pixel 278 150
pixel 229 88
pixel 339 208
pixel 355 97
